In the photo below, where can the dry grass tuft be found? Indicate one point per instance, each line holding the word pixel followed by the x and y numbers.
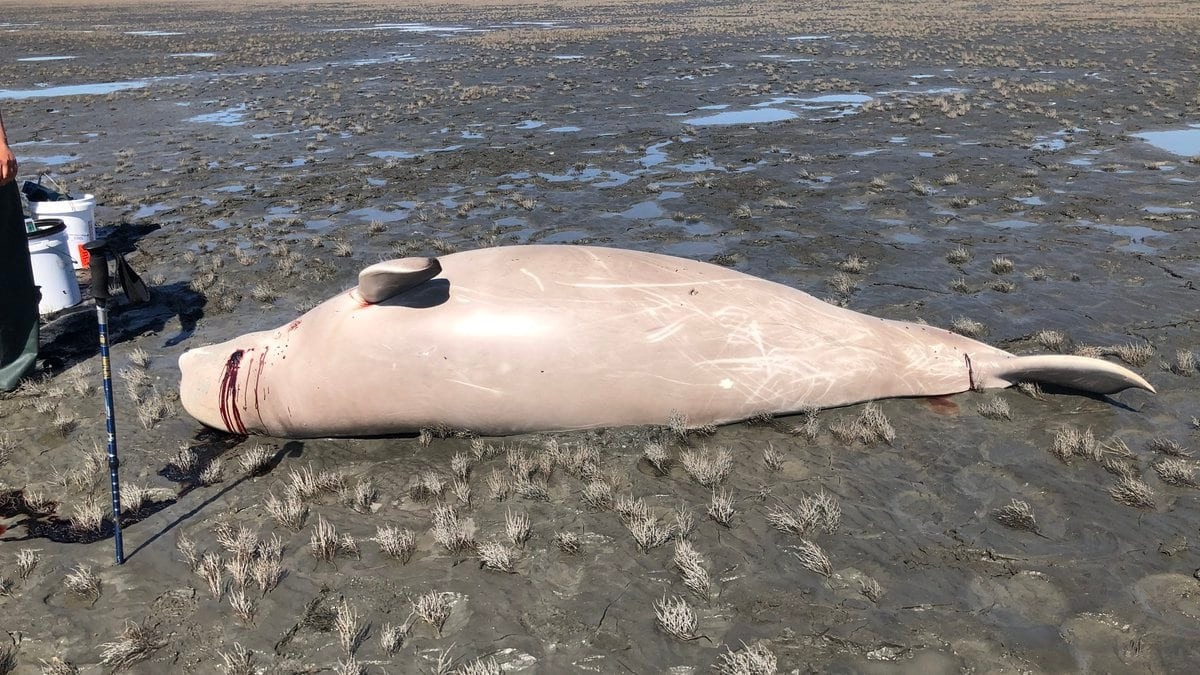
pixel 720 508
pixel 350 630
pixel 995 408
pixel 1016 514
pixel 567 542
pixel 870 589
pixel 676 618
pixel 1001 265
pixel 870 427
pixel 238 660
pixel 958 256
pixel 57 666
pixel 243 607
pixel 817 513
pixel 772 458
pixel 658 456
pixel 1070 442
pixel 967 327
pixel 1133 492
pixel 690 564
pixel 812 557
pixel 1050 339
pixel 684 521
pixel 516 526
pixel 361 497
pixel 1173 471
pixel 138 641
pixel 810 426
pixel 1166 446
pixel 449 531
pixel 706 467
pixel 433 608
pixel 1135 353
pixel 1032 390
pixel 256 460
pixel 83 582
pixel 209 569
pixel 853 264
pixel 290 512
pixel 27 560
pixel 391 637
pixel 1185 363
pixel 496 556
pixel 753 660
pixel 648 533
pixel 396 543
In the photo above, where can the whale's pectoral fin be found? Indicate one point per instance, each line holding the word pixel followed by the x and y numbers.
pixel 391 277
pixel 1075 372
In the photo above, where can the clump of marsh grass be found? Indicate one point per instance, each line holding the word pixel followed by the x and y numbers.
pixel 706 467
pixel 256 460
pixel 1070 442
pixel 815 513
pixel 1133 492
pixel 429 485
pixel 238 660
pixel 721 508
pixel 870 589
pixel 690 564
pixel 326 545
pixel 676 617
pixel 57 666
pixel 567 542
pixel 870 427
pixel 496 556
pixel 996 408
pixel 290 511
pixel 361 496
pixel 1050 339
pixel 396 543
pixel 1185 363
pixel 812 557
pixel 1135 353
pixel 648 532
pixel 349 627
pixel 967 327
pixel 755 659
pixel 243 606
pixel 1173 471
pixel 658 457
pixel 684 521
pixel 83 582
pixel 772 458
pixel 88 515
pixel 210 570
pixel 1001 265
pixel 213 473
pixel 155 408
pixel 1016 514
pixel 516 526
pixel 958 256
pixel 27 560
pixel 498 484
pixel 391 637
pixel 449 531
pixel 433 608
pixel 1032 390
pixel 809 425
pixel 1166 446
pixel 460 465
pixel 598 494
pixel 853 264
pixel 137 642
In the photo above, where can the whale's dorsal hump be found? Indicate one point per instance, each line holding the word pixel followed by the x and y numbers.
pixel 390 277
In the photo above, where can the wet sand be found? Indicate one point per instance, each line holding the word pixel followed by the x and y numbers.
pixel 251 163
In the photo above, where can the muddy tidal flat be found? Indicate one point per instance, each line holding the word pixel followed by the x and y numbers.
pixel 1024 172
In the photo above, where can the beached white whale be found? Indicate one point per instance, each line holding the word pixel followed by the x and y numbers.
pixel 538 338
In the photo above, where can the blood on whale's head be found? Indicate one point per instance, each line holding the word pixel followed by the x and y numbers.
pixel 216 383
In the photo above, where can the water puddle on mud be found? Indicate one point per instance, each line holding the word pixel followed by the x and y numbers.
pixel 152 33
pixel 147 210
pixel 529 124
pixel 369 213
pixel 406 28
pixel 1166 210
pixel 809 38
pixel 401 154
pixel 564 130
pixel 1013 224
pixel 754 116
pixel 35 59
pixel 601 178
pixel 51 160
pixel 193 55
pixel 1030 201
pixel 229 117
pixel 1136 236
pixel 95 89
pixel 1183 142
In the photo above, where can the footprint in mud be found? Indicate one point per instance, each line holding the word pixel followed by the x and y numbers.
pixel 1102 643
pixel 1172 598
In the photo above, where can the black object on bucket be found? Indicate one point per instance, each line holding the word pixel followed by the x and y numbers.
pixel 36 192
pixel 47 227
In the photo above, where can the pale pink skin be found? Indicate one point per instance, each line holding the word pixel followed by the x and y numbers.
pixel 539 338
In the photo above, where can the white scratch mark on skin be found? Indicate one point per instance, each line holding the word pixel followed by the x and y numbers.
pixel 727 383
pixel 477 386
pixel 537 281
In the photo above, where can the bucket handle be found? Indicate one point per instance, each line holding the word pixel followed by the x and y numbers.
pixel 57 186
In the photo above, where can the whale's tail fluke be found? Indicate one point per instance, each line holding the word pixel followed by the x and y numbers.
pixel 1075 372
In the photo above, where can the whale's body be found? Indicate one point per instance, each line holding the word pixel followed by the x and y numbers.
pixel 538 338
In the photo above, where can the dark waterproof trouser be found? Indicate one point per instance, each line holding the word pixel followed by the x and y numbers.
pixel 18 296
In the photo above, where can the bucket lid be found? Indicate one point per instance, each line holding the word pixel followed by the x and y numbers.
pixel 47 227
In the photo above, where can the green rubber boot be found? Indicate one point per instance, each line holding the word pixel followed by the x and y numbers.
pixel 18 296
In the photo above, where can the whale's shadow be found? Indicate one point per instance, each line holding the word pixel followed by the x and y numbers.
pixel 423 296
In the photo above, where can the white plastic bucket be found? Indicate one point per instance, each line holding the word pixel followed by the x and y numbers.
pixel 52 269
pixel 79 215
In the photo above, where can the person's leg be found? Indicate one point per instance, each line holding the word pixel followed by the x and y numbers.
pixel 18 296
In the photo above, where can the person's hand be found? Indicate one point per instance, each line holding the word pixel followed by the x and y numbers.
pixel 8 165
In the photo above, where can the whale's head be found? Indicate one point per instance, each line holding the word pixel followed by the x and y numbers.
pixel 217 383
